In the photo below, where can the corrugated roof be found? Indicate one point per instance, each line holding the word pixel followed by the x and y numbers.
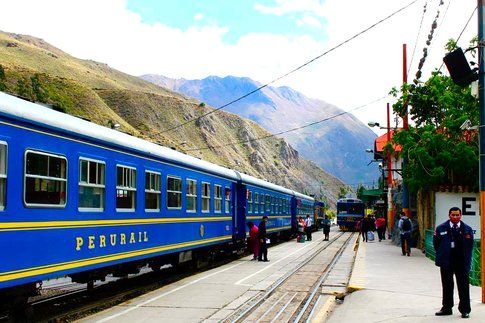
pixel 381 141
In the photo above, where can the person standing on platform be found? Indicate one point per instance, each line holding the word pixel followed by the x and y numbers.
pixel 301 228
pixel 381 228
pixel 365 227
pixel 308 227
pixel 253 239
pixel 405 227
pixel 326 227
pixel 263 248
pixel 453 243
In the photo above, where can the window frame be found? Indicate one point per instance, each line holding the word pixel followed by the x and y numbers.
pixel 227 200
pixel 126 188
pixel 217 198
pixel 87 184
pixel 256 203
pixel 170 191
pixel 249 202
pixel 25 175
pixel 187 195
pixel 151 191
pixel 3 176
pixel 207 197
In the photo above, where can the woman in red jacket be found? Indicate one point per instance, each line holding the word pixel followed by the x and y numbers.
pixel 253 239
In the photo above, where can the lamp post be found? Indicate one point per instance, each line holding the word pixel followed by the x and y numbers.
pixel 390 212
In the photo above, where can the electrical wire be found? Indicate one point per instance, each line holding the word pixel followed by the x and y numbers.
pixel 290 130
pixel 295 69
pixel 462 31
pixel 417 37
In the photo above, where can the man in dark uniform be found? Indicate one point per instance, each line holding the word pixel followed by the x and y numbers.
pixel 453 243
pixel 263 248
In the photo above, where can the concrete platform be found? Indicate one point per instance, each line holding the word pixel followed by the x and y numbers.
pixel 390 287
pixel 214 294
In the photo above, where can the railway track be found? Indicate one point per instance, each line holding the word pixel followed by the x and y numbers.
pixel 292 298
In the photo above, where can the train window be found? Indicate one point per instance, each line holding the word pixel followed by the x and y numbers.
pixel 227 206
pixel 217 198
pixel 256 202
pixel 152 191
pixel 250 201
pixel 174 192
pixel 206 197
pixel 3 174
pixel 191 194
pixel 91 185
pixel 261 203
pixel 268 201
pixel 125 188
pixel 45 179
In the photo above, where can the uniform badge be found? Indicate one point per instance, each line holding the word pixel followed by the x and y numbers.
pixel 468 236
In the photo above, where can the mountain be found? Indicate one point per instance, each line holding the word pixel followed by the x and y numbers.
pixel 337 145
pixel 34 69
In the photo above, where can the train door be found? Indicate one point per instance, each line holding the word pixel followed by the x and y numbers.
pixel 239 220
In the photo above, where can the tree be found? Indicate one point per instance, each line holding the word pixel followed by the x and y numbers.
pixel 438 151
pixel 343 192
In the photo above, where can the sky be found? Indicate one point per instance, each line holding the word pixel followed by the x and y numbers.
pixel 260 39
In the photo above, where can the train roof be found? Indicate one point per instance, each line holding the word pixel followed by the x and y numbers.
pixel 36 113
pixel 349 200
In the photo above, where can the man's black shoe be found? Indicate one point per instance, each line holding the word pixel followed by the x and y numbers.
pixel 443 312
pixel 266 260
pixel 465 315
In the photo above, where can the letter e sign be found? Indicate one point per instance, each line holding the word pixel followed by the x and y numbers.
pixel 469 205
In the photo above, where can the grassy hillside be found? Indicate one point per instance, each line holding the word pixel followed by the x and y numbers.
pixel 31 68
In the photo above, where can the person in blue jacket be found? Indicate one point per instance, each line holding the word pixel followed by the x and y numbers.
pixel 453 243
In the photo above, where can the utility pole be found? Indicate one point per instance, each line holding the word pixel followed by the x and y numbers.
pixel 390 213
pixel 481 98
pixel 405 125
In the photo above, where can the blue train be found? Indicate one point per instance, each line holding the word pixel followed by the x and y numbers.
pixel 84 201
pixel 349 212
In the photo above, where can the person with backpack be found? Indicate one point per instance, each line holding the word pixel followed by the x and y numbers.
pixel 405 227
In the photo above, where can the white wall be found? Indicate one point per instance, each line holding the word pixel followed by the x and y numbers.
pixel 469 203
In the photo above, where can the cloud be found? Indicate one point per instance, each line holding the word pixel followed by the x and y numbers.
pixel 310 21
pixel 198 16
pixel 284 7
pixel 358 72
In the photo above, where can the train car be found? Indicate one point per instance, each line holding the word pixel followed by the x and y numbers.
pixel 301 205
pixel 319 214
pixel 349 212
pixel 266 199
pixel 81 200
pixel 84 201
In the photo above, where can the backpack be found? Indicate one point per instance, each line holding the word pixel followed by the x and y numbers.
pixel 406 225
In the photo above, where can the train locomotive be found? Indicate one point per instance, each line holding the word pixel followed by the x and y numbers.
pixel 349 212
pixel 85 201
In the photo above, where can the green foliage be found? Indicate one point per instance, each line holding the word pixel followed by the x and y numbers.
pixel 342 192
pixel 330 214
pixel 23 89
pixel 40 93
pixel 360 191
pixel 3 87
pixel 438 152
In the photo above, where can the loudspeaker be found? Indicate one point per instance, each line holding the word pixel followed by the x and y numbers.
pixel 459 69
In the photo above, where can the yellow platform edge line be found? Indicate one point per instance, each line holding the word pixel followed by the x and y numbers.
pixel 357 279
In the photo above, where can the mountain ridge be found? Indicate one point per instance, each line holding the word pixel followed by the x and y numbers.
pixel 40 72
pixel 279 109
